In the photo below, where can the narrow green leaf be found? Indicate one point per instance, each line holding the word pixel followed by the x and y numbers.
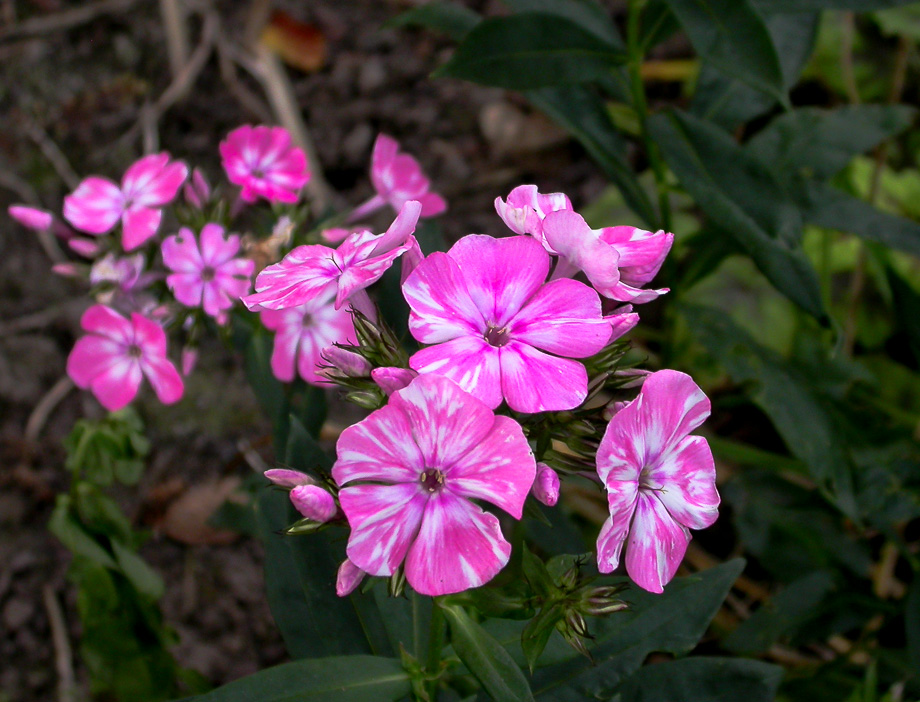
pixel 537 632
pixel 731 35
pixel 531 50
pixel 302 452
pixel 703 679
pixel 728 102
pixel 907 309
pixel 485 658
pixel 818 143
pixel 147 581
pixel 783 615
pixel 587 14
pixel 785 395
pixel 829 207
pixel 451 18
pixel 338 679
pixel 817 5
pixel 743 199
pixel 672 622
pixel 70 533
pixel 580 111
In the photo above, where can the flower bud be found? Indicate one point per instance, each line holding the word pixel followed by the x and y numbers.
pixel 343 363
pixel 285 477
pixel 348 578
pixel 546 485
pixel 314 503
pixel 85 247
pixel 576 623
pixel 197 191
pixel 366 399
pixel 67 270
pixel 31 217
pixel 391 379
pixel 189 359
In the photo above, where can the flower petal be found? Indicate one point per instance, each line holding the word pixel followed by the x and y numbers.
pixel 116 386
pixel 91 356
pixel 380 447
pixel 621 501
pixel 138 225
pixel 180 252
pixel 457 548
pixel 685 481
pixel 105 321
pixel 467 360
pixel 95 206
pixel 440 305
pixel 164 378
pixel 657 545
pixel 533 381
pixel 384 522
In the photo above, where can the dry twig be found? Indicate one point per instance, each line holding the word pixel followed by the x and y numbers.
pixel 176 30
pixel 44 408
pixel 63 655
pixel 62 21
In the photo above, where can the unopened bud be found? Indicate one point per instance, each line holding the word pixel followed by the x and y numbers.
pixel 189 359
pixel 67 270
pixel 348 578
pixel 576 623
pixel 391 379
pixel 313 502
pixel 31 217
pixel 85 247
pixel 546 485
pixel 197 191
pixel 285 477
pixel 397 582
pixel 343 363
pixel 603 607
pixel 366 399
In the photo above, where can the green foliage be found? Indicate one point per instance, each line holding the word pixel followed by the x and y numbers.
pixel 703 679
pixel 108 450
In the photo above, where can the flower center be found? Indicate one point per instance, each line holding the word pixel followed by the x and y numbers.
pixel 431 479
pixel 497 336
pixel 307 320
pixel 207 274
pixel 134 351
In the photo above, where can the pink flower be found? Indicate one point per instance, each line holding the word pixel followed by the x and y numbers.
pixel 660 482
pixel 98 204
pixel 497 330
pixel 262 161
pixel 117 353
pixel 207 273
pixel 546 485
pixel 316 271
pixel 301 335
pixel 31 217
pixel 398 178
pixel 348 578
pixel 409 471
pixel 526 208
pixel 391 379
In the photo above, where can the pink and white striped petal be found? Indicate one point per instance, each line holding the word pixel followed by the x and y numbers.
pixel 384 522
pixel 532 381
pixel 564 318
pixel 381 447
pixel 499 468
pixel 392 379
pixel 458 547
pixel 105 321
pixel 163 377
pixel 657 545
pixel 152 181
pixel 641 252
pixel 90 357
pixel 116 386
pixel 622 505
pixel 95 206
pixel 440 305
pixel 685 481
pixel 180 252
pixel 138 225
pixel 446 422
pixel 570 236
pixel 469 361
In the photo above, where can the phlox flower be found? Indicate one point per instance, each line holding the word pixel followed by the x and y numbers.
pixel 526 208
pixel 206 271
pixel 98 204
pixel 497 330
pixel 398 178
pixel 316 271
pixel 116 353
pixel 264 163
pixel 409 472
pixel 660 482
pixel 616 260
pixel 302 333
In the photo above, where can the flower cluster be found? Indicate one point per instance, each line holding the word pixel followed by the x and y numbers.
pixel 519 350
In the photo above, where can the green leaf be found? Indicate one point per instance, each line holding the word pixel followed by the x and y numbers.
pixel 783 615
pixel 731 35
pixel 537 632
pixel 785 395
pixel 900 21
pixel 486 659
pixel 817 5
pixel 269 391
pixel 537 575
pixel 302 452
pixel 672 622
pixel 702 679
pixel 70 533
pixel 337 679
pixel 743 198
pixel 907 309
pixel 912 623
pixel 100 513
pixel 451 18
pixel 147 581
pixel 587 14
pixel 826 206
pixel 818 143
pixel 531 50
pixel 580 111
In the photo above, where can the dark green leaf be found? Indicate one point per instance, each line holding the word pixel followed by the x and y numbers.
pixel 817 5
pixel 531 50
pixel 70 533
pixel 658 23
pixel 537 575
pixel 672 622
pixel 338 679
pixel 743 198
pixel 818 143
pixel 269 391
pixel 485 658
pixel 702 679
pixel 731 35
pixel 587 14
pixel 907 310
pixel 147 581
pixel 912 623
pixel 826 206
pixel 785 395
pixel 580 111
pixel 302 452
pixel 728 102
pixel 452 18
pixel 537 632
pixel 782 616
pixel 100 513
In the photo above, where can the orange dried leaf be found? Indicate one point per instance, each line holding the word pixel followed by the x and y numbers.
pixel 299 44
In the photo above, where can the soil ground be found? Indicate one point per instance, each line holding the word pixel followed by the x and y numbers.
pixel 69 95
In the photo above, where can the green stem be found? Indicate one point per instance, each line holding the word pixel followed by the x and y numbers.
pixel 435 644
pixel 635 52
